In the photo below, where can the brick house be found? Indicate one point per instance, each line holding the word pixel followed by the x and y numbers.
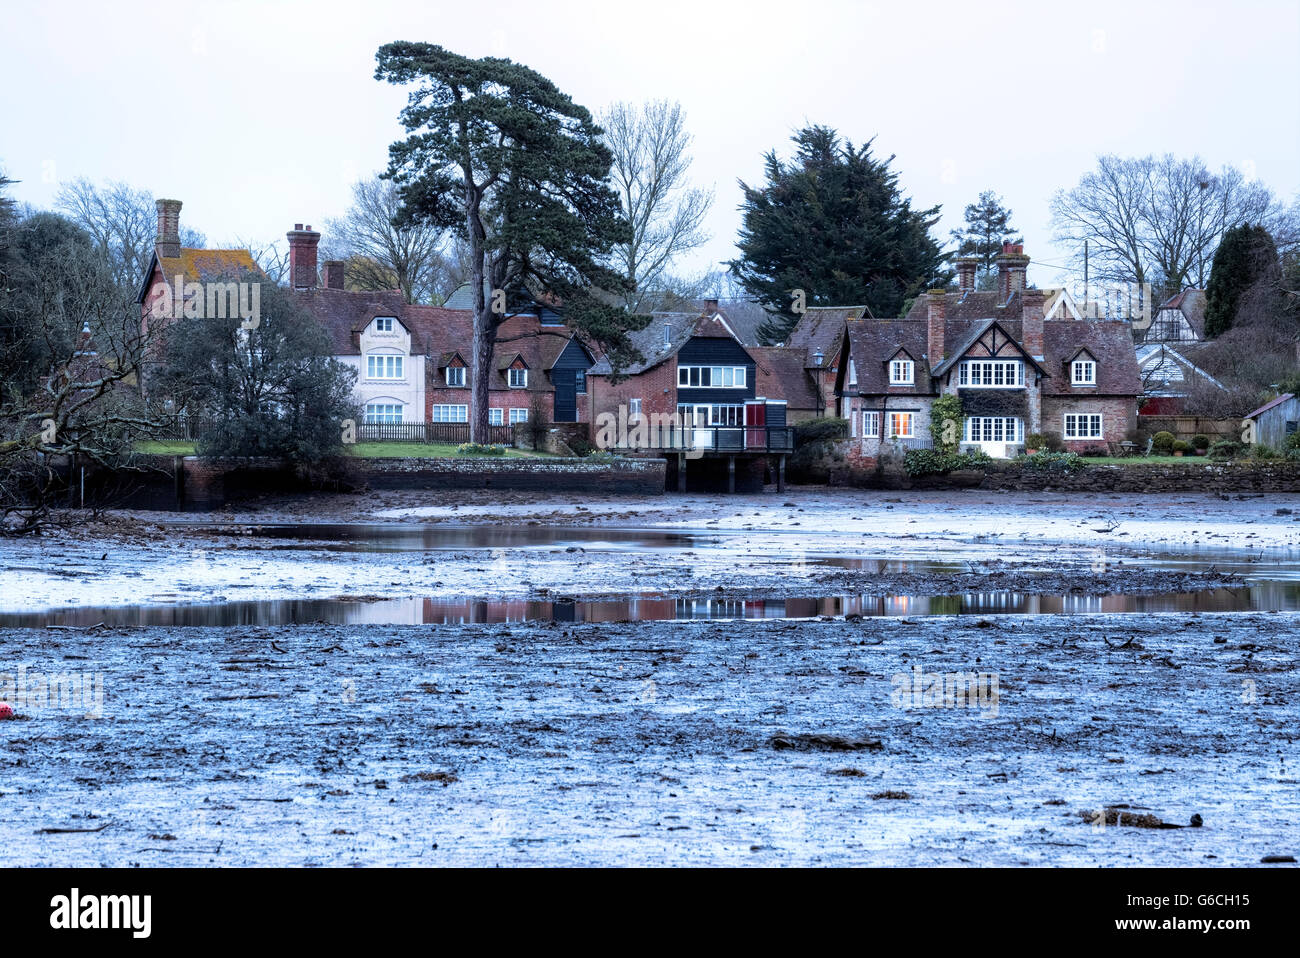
pixel 1016 371
pixel 819 334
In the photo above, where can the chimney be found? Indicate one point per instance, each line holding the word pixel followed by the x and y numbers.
pixel 334 270
pixel 1031 321
pixel 710 308
pixel 935 345
pixel 1012 263
pixel 966 267
pixel 168 242
pixel 302 256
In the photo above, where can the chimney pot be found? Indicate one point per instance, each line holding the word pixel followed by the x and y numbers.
pixel 302 257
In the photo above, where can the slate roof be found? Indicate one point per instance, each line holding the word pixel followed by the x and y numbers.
pixel 649 341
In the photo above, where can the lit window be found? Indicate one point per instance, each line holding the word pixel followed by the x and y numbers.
pixel 634 409
pixel 384 367
pixel 451 413
pixel 518 378
pixel 1082 426
pixel 455 375
pixel 1083 372
pixel 377 412
pixel 900 425
pixel 580 381
pixel 871 424
pixel 518 415
pixel 494 417
pixel 384 324
pixel 901 372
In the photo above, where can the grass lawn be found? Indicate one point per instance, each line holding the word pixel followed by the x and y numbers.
pixel 1148 460
pixel 420 450
pixel 363 450
pixel 165 448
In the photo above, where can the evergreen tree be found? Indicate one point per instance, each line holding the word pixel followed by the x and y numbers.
pixel 833 223
pixel 497 152
pixel 1246 256
pixel 988 225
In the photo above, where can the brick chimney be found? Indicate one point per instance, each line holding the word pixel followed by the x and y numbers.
pixel 168 242
pixel 1031 322
pixel 334 271
pixel 935 344
pixel 302 256
pixel 966 267
pixel 710 308
pixel 1012 263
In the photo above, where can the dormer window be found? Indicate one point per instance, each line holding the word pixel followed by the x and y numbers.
pixel 902 372
pixel 384 324
pixel 455 375
pixel 519 379
pixel 1083 372
pixel 853 374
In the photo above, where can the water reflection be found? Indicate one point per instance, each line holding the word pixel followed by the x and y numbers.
pixel 1282 596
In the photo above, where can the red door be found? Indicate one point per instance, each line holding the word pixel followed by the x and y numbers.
pixel 755 425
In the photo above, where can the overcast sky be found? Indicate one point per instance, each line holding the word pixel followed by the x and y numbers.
pixel 260 115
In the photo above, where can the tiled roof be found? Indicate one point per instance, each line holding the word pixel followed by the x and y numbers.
pixel 345 313
pixel 649 341
pixel 820 329
pixel 204 265
pixel 1191 302
pixel 781 374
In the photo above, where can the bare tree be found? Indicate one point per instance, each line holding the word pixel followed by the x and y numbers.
pixel 1156 219
pixel 417 259
pixel 123 223
pixel 651 160
pixel 272 258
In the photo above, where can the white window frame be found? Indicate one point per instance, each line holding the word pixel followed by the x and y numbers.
pixel 385 366
pixel 999 429
pixel 458 379
pixel 384 324
pixel 870 423
pixel 720 377
pixel 378 413
pixel 633 409
pixel 449 412
pixel 518 378
pixel 902 372
pixel 1083 372
pixel 518 415
pixel 853 373
pixel 991 373
pixel 496 416
pixel 1079 426
pixel 908 418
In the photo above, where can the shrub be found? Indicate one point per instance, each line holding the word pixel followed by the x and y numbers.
pixel 1292 443
pixel 479 449
pixel 601 455
pixel 1226 449
pixel 1162 443
pixel 1182 445
pixel 1201 441
pixel 924 462
pixel 1096 452
pixel 1066 462
pixel 824 429
pixel 1054 441
pixel 1264 451
pixel 1035 440
pixel 581 446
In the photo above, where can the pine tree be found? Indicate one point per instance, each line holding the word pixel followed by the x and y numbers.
pixel 988 225
pixel 831 228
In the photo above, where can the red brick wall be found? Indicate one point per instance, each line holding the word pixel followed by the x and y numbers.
pixel 1119 418
pixel 656 388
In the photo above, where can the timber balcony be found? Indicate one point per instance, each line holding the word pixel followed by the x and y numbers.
pixel 723 440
